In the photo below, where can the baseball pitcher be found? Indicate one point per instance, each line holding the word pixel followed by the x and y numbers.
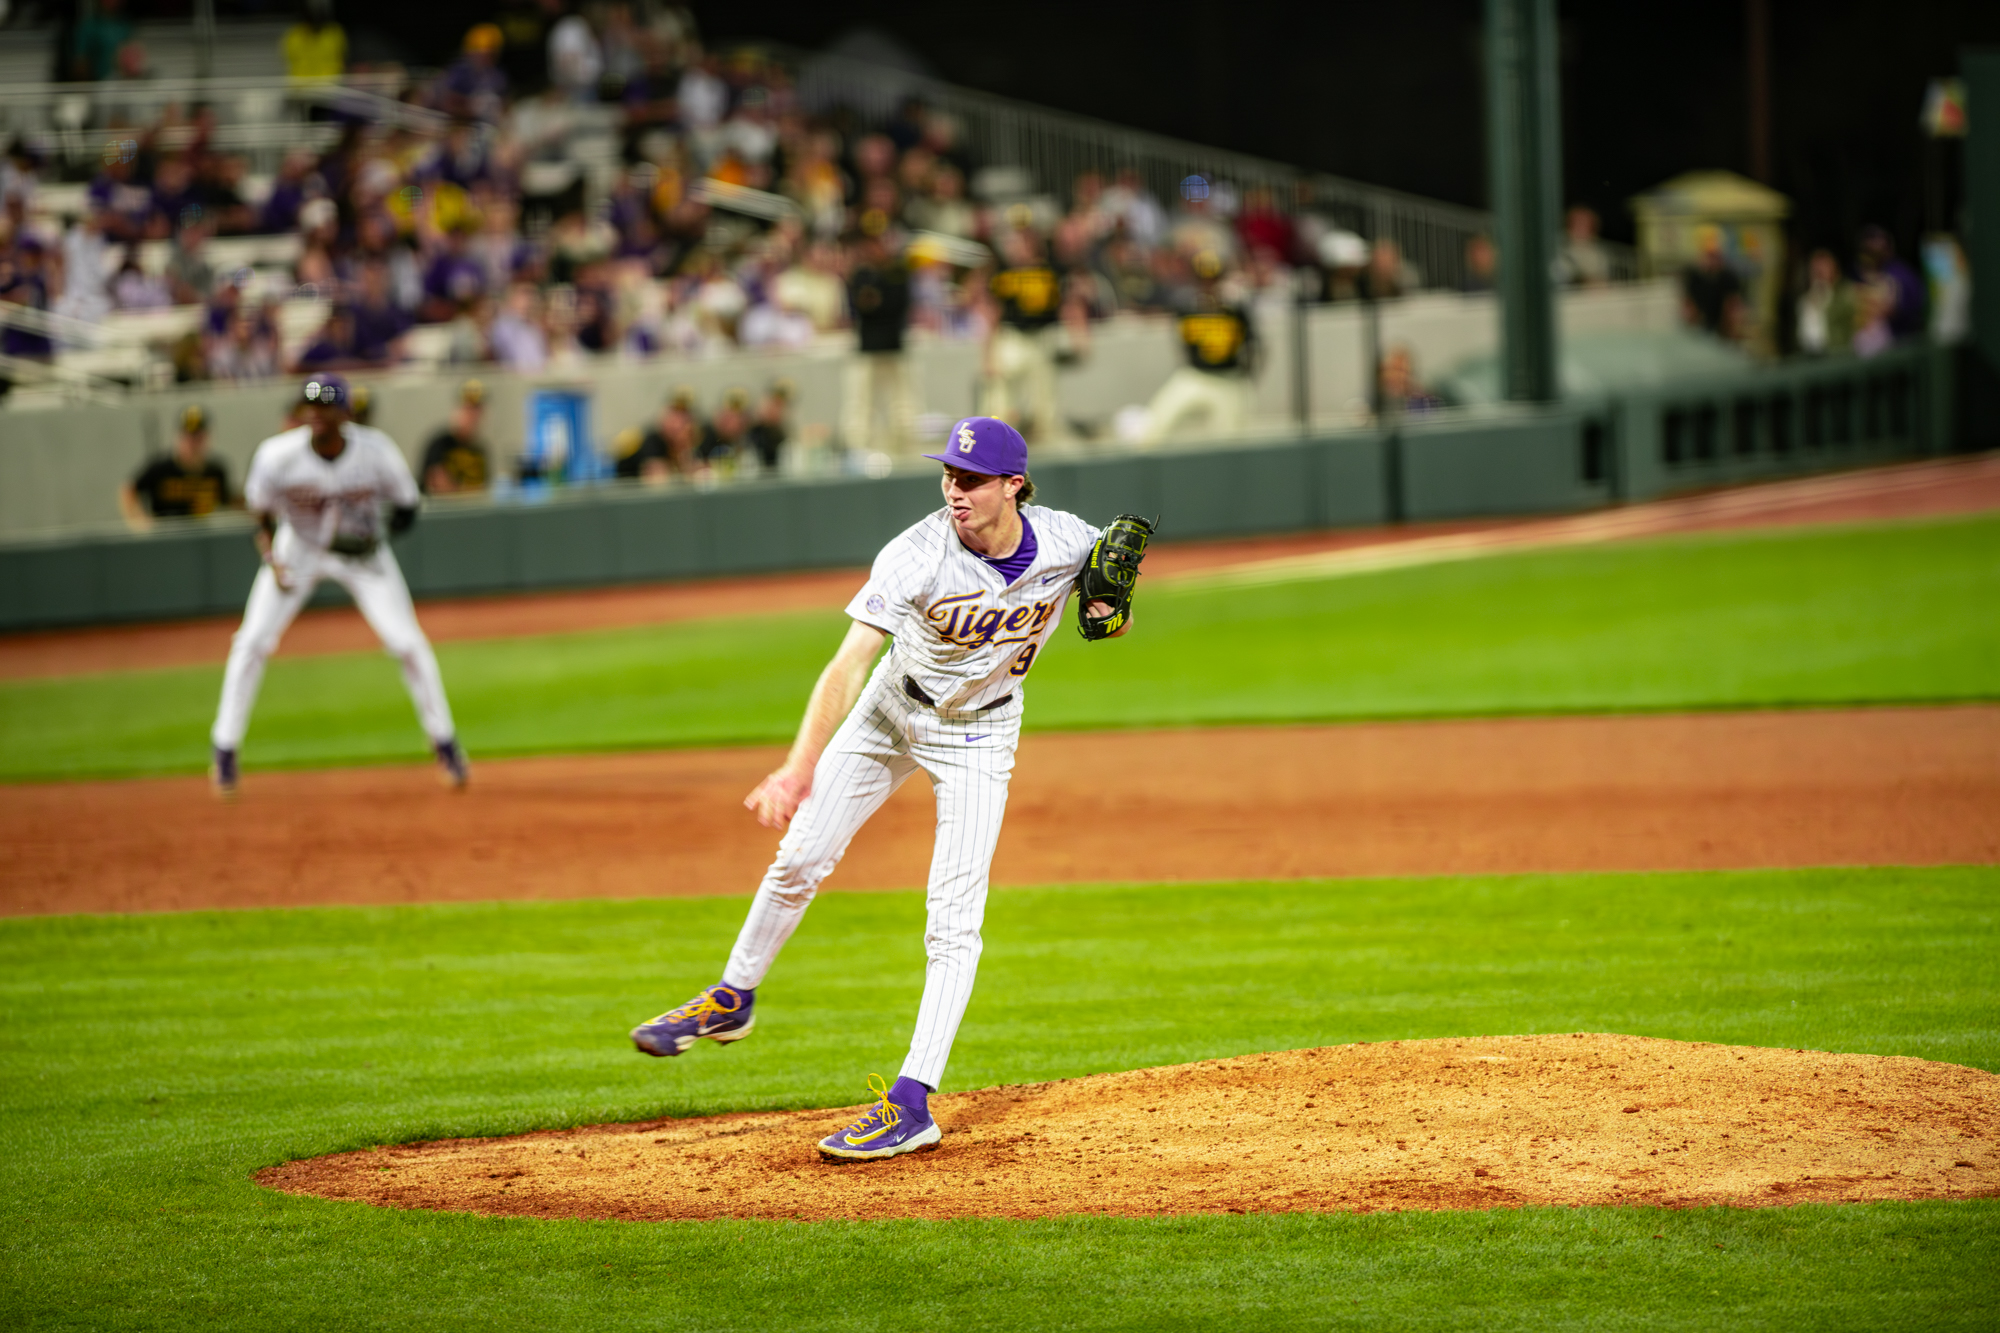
pixel 968 596
pixel 317 493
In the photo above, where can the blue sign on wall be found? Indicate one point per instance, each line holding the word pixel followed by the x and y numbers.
pixel 559 442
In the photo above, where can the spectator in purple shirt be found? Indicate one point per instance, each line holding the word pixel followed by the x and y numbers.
pixel 173 198
pixel 378 324
pixel 1880 266
pixel 223 303
pixel 451 281
pixel 519 333
pixel 23 282
pixel 632 199
pixel 288 195
pixel 475 87
pixel 123 204
pixel 332 348
pixel 461 158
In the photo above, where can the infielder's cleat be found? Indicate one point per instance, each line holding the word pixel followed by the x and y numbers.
pixel 886 1129
pixel 720 1013
pixel 456 771
pixel 222 775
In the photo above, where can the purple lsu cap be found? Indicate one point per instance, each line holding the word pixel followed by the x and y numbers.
pixel 326 390
pixel 985 444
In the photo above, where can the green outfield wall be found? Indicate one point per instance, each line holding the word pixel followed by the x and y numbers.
pixel 1515 460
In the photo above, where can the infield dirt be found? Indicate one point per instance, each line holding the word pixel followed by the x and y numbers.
pixel 1487 1122
pixel 1887 786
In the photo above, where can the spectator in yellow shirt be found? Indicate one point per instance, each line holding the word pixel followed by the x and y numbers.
pixel 316 47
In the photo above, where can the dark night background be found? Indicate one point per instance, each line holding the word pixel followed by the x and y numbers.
pixel 1392 94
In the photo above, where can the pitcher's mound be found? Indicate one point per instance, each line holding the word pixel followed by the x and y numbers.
pixel 1456 1123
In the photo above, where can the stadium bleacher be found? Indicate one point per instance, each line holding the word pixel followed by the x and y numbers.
pixel 683 217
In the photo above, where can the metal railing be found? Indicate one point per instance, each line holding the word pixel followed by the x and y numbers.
pixel 261 117
pixel 1056 147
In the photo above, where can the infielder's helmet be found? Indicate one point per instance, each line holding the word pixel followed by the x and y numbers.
pixel 326 391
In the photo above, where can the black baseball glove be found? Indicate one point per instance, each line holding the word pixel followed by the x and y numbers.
pixel 355 548
pixel 1111 575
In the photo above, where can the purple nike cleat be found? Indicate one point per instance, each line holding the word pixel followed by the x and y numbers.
pixel 451 756
pixel 222 774
pixel 720 1013
pixel 900 1122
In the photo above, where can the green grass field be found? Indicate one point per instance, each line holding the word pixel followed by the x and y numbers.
pixel 1878 614
pixel 148 1065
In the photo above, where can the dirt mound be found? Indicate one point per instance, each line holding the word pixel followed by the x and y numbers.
pixel 1479 1122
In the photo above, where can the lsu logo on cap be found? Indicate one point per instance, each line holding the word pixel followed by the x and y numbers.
pixel 965 440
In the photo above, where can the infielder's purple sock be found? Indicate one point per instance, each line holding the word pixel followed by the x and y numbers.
pixel 911 1095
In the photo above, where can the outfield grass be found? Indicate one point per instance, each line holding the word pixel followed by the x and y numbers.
pixel 1878 614
pixel 150 1064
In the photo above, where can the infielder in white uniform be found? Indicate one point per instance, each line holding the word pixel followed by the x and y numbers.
pixel 317 492
pixel 968 595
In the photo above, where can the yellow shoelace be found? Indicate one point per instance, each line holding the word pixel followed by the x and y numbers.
pixel 884 1110
pixel 704 1003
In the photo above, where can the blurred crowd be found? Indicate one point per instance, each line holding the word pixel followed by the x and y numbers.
pixel 1879 299
pixel 1864 306
pixel 595 183
pixel 735 219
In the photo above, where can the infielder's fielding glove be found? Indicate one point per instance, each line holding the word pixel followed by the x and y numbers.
pixel 357 548
pixel 1112 575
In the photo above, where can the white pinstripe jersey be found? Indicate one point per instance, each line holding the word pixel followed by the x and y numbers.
pixel 964 638
pixel 318 499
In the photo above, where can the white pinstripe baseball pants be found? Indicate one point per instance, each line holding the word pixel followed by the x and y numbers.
pixel 376 584
pixel 969 758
